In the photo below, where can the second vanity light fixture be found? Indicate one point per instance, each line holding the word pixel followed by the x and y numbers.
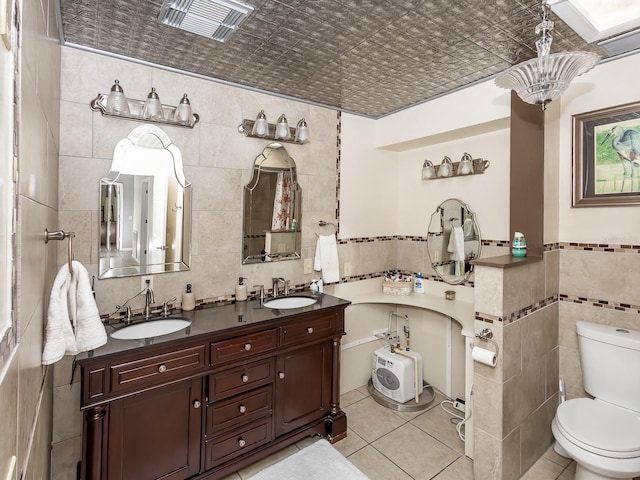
pixel 466 166
pixel 280 131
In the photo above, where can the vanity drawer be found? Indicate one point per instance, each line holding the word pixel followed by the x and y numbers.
pixel 157 369
pixel 242 347
pixel 240 379
pixel 228 446
pixel 239 409
pixel 308 330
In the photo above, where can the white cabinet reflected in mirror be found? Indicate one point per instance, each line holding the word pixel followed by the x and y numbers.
pixel 272 209
pixel 145 208
pixel 453 240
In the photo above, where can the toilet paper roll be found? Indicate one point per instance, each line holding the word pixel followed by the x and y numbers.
pixel 482 355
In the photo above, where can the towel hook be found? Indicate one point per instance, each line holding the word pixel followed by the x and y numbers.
pixel 61 235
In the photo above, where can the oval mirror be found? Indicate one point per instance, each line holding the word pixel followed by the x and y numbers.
pixel 272 212
pixel 453 241
pixel 145 208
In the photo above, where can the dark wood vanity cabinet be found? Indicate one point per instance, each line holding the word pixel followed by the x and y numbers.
pixel 207 407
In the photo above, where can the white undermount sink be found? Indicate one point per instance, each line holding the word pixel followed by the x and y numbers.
pixel 294 301
pixel 151 328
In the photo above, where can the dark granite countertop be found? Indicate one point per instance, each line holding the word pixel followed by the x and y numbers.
pixel 211 320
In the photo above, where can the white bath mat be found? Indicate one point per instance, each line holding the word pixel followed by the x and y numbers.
pixel 319 461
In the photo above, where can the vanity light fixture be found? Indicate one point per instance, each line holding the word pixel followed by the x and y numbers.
pixel 280 131
pixel 115 104
pixel 541 79
pixel 466 166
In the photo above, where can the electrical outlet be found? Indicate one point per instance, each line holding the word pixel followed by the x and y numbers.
pixel 458 404
pixel 347 269
pixel 308 266
pixel 143 282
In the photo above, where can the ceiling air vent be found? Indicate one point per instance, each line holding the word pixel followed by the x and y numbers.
pixel 216 19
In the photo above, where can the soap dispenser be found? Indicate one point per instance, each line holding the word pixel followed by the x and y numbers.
pixel 188 299
pixel 241 290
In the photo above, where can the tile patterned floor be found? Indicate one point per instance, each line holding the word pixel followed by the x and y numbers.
pixel 385 444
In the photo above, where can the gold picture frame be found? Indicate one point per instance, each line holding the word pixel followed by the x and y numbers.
pixel 606 157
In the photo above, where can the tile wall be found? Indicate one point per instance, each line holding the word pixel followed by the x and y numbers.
pixel 26 386
pixel 516 401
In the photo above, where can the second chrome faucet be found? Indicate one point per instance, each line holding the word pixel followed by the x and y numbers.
pixel 276 282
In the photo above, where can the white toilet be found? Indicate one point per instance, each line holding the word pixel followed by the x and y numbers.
pixel 603 434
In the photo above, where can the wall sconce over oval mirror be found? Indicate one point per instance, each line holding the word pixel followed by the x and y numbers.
pixel 272 209
pixel 145 208
pixel 453 240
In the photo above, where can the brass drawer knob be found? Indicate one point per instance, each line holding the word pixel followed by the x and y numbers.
pixel 242 409
pixel 196 404
pixel 309 329
pixel 247 346
pixel 281 374
pixel 162 368
pixel 241 442
pixel 245 378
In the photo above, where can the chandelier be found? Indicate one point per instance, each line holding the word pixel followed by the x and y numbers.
pixel 541 79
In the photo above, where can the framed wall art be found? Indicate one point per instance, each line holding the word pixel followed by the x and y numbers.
pixel 606 157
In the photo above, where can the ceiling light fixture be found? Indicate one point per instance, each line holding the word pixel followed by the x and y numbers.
pixel 546 77
pixel 216 19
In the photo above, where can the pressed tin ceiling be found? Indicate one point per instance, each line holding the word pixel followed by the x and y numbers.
pixel 368 57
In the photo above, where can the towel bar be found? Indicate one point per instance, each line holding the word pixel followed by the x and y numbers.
pixel 61 235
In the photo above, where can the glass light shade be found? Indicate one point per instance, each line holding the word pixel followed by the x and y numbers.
pixel 152 107
pixel 446 168
pixel 542 79
pixel 260 126
pixel 427 170
pixel 282 129
pixel 465 167
pixel 183 113
pixel 116 100
pixel 546 77
pixel 302 132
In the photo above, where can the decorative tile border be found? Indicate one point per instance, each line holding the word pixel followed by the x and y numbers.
pixel 592 302
pixel 523 312
pixel 599 247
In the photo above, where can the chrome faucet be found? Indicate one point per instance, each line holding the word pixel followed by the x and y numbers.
pixel 149 299
pixel 277 281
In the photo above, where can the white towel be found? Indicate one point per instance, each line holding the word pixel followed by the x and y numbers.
pixel 456 244
pixel 326 258
pixel 72 308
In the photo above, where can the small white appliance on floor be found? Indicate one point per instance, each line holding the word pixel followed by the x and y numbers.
pixel 603 434
pixel 393 375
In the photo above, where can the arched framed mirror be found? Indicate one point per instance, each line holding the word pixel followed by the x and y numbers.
pixel 453 240
pixel 145 208
pixel 272 209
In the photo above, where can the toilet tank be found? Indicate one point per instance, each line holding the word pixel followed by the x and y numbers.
pixel 610 360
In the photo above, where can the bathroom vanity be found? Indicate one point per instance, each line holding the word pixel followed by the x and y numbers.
pixel 241 382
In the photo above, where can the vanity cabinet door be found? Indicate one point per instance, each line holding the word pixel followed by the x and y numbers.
pixel 156 434
pixel 303 386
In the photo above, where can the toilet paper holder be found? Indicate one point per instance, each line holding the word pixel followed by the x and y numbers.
pixel 486 335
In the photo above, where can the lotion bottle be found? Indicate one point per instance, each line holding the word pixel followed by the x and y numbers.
pixel 188 299
pixel 241 290
pixel 418 285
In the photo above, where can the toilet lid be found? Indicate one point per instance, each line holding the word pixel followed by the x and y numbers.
pixel 600 427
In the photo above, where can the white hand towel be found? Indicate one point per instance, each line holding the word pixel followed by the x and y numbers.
pixel 456 244
pixel 326 258
pixel 72 306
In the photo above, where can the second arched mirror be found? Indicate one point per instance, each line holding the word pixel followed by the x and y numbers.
pixel 272 209
pixel 453 241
